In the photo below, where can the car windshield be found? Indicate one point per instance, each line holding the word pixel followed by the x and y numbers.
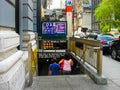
pixel 116 34
pixel 105 37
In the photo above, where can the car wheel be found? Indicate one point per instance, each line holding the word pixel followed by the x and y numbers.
pixel 114 53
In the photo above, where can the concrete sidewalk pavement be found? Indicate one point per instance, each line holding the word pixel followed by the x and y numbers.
pixel 111 70
pixel 69 82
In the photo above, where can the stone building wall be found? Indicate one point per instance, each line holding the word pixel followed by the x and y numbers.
pixel 11 62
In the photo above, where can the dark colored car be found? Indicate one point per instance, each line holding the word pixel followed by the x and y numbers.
pixel 115 49
pixel 103 38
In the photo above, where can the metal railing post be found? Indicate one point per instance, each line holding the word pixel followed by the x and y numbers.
pixel 84 49
pixel 99 62
pixel 30 64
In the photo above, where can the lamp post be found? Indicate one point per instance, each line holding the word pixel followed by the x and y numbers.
pixel 39 17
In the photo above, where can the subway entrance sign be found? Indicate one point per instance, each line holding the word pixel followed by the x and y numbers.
pixel 69 2
pixel 69 6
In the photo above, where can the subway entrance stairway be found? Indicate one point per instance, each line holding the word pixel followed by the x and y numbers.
pixel 88 80
pixel 80 81
pixel 45 59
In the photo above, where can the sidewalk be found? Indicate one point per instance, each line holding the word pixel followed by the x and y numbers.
pixel 111 70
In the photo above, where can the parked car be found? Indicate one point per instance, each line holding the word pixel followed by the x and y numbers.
pixel 103 38
pixel 115 49
pixel 112 31
pixel 116 35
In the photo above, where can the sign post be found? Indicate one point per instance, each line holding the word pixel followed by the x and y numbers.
pixel 69 17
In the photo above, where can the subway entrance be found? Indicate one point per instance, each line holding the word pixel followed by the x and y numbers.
pixel 46 58
pixel 53 42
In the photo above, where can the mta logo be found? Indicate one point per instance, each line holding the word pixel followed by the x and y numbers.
pixel 69 2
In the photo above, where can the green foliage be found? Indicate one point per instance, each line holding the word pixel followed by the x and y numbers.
pixel 108 13
pixel 105 29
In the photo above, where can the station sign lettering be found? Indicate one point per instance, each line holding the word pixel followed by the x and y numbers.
pixel 69 2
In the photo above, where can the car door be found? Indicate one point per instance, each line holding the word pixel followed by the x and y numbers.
pixel 118 47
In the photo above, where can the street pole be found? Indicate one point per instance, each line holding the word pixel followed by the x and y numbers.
pixel 73 15
pixel 92 15
pixel 73 22
pixel 39 17
pixel 39 23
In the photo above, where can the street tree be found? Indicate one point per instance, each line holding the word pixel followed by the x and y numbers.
pixel 108 13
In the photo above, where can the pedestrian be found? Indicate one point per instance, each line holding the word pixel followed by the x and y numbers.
pixel 67 64
pixel 80 32
pixel 54 68
pixel 61 66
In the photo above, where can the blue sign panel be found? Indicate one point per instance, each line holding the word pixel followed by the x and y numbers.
pixel 69 2
pixel 54 28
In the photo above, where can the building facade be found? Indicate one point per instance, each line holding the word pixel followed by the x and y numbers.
pixel 11 58
pixel 95 23
pixel 84 10
pixel 18 25
pixel 62 4
pixel 81 11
